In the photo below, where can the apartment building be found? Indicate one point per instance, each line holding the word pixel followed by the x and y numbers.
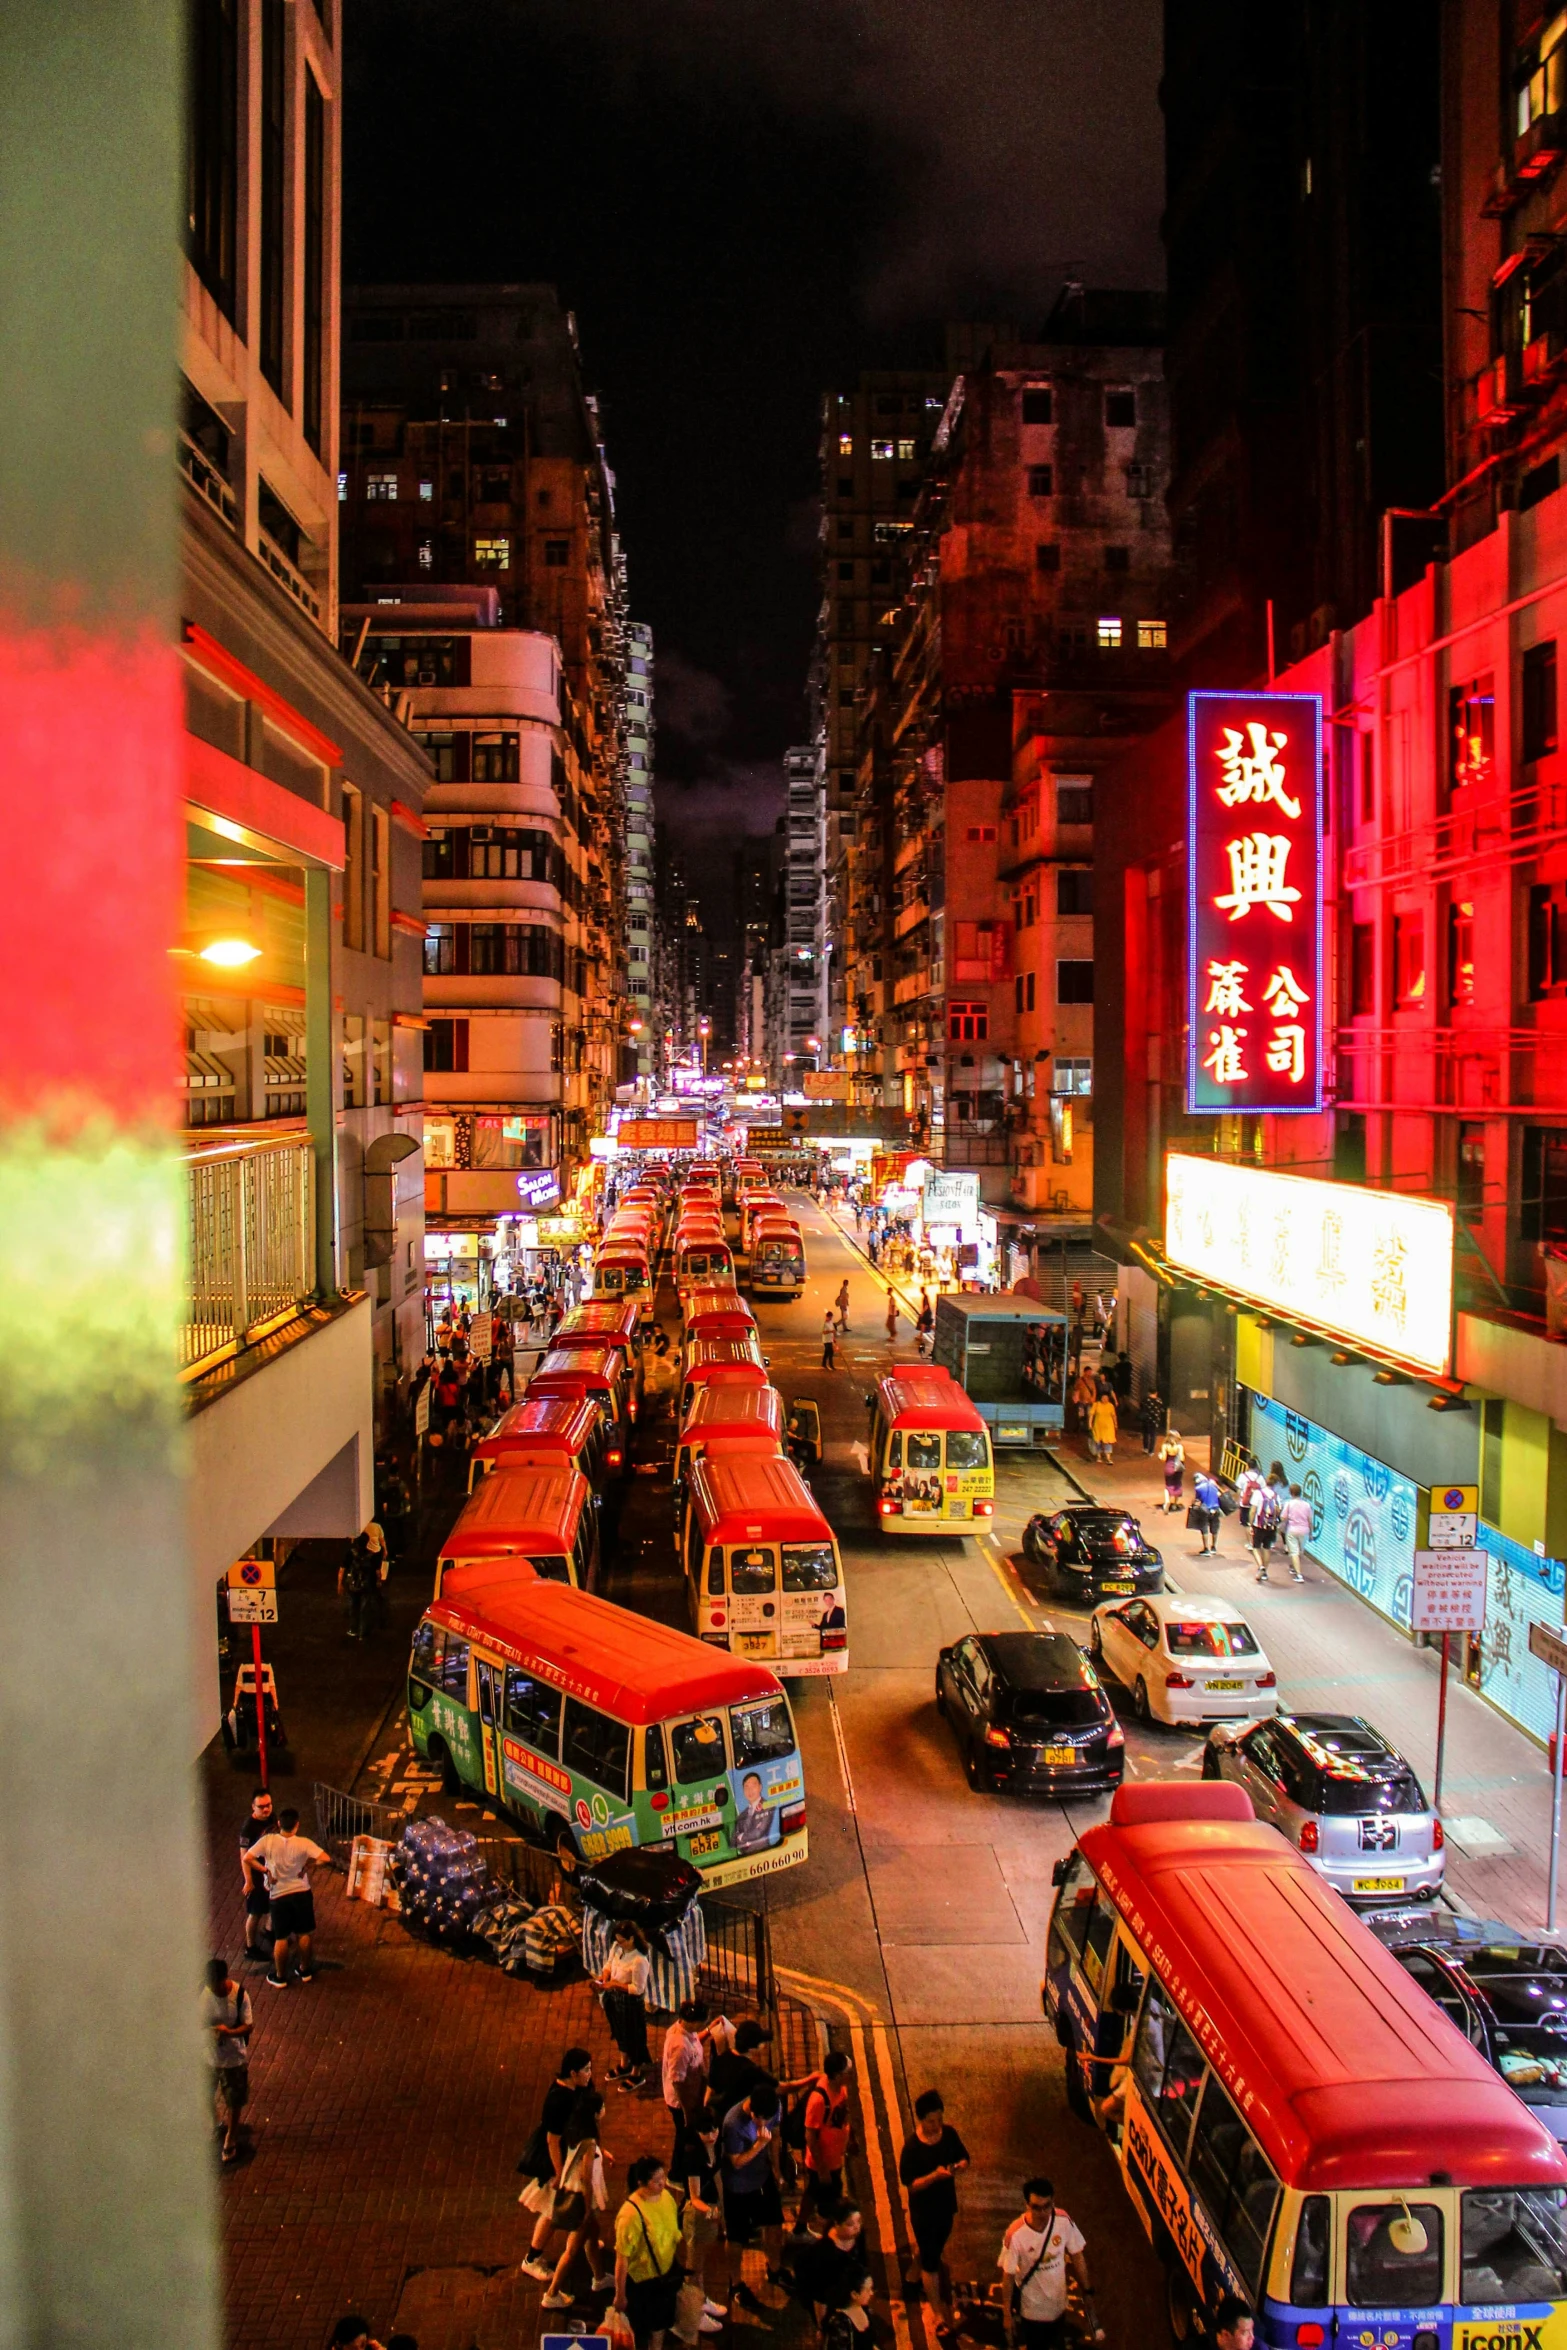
pixel 478 534
pixel 638 1061
pixel 1030 639
pixel 800 943
pixel 303 1092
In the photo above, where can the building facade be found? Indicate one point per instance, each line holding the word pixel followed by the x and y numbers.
pixel 303 1077
pixel 800 944
pixel 639 1062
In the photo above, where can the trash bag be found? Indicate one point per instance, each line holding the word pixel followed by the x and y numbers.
pixel 647 1885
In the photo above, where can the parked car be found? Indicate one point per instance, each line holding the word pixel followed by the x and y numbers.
pixel 1184 1660
pixel 1507 1995
pixel 1093 1553
pixel 1336 1788
pixel 1029 1713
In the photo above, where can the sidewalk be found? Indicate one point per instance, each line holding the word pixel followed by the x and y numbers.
pixel 1335 1655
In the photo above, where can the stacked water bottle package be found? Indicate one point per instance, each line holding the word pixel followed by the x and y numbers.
pixel 446 1891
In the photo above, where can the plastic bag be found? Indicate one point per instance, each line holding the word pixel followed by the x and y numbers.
pixel 615 2326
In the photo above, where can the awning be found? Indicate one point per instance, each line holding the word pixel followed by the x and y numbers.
pixel 285 1069
pixel 203 1074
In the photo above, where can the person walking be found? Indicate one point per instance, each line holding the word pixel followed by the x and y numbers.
pixel 928 2167
pixel 545 2155
pixel 1262 1531
pixel 750 2185
pixel 356 1583
pixel 827 2132
pixel 647 2253
pixel 683 2068
pixel 1103 1427
pixel 1249 1486
pixel 830 2267
pixel 581 2200
pixel 924 1325
pixel 283 1861
pixel 1296 1521
pixel 841 1301
pixel 1172 1459
pixel 261 1823
pixel 1205 1506
pixel 696 2177
pixel 829 1342
pixel 1234 2327
pixel 624 1982
pixel 226 2021
pixel 1153 1418
pixel 892 1319
pixel 1036 2252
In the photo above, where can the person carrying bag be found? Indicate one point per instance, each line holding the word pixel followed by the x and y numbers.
pixel 648 2274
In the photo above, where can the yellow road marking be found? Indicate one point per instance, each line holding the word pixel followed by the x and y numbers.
pixel 1006 1578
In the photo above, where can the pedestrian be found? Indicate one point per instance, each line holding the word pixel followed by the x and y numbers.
pixel 284 1860
pixel 647 2253
pixel 581 2200
pixel 841 1301
pixel 545 2154
pixel 353 2333
pixel 1172 1459
pixel 826 2138
pixel 226 2019
pixel 1103 1428
pixel 1084 1391
pixel 924 1325
pixel 1153 1418
pixel 683 2067
pixel 933 2154
pixel 1077 1301
pixel 1263 1530
pixel 1278 1478
pixel 892 1319
pixel 829 1342
pixel 1205 1510
pixel 1249 1486
pixel 261 1822
pixel 696 2175
pixel 735 2059
pixel 750 2186
pixel 849 2328
pixel 1234 2328
pixel 356 1579
pixel 1296 1521
pixel 830 2267
pixel 624 1982
pixel 1036 2252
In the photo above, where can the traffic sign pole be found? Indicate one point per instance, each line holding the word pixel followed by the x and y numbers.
pixel 1441 1727
pixel 1556 1806
pixel 261 1709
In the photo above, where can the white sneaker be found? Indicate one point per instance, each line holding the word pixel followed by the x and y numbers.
pixel 715 2309
pixel 708 2325
pixel 555 2301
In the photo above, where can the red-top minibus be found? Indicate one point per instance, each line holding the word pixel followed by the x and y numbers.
pixel 727 1417
pixel 929 1456
pixel 715 1360
pixel 596 1372
pixel 1297 2122
pixel 545 1517
pixel 550 1431
pixel 762 1565
pixel 576 1333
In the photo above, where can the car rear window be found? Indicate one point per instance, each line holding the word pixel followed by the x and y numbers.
pixel 1344 1794
pixel 1211 1639
pixel 1052 1709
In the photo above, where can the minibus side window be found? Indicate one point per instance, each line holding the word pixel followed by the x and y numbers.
pixel 533 1711
pixel 698 1748
pixel 715 1573
pixel 454 1668
pixel 655 1769
pixel 425 1662
pixel 895 1450
pixel 1169 2067
pixel 752 1572
pixel 809 1566
pixel 582 1549
pixel 1376 2274
pixel 924 1451
pixel 1100 1928
pixel 1309 2273
pixel 596 1747
pixel 693 1547
pixel 1514 2244
pixel 1069 1919
pixel 1232 2175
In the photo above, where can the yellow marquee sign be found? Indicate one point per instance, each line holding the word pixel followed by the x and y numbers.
pixel 1374 1268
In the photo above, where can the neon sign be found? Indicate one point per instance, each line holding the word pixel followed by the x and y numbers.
pixel 1254 856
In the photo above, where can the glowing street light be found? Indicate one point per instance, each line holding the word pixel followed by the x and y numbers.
pixel 229 954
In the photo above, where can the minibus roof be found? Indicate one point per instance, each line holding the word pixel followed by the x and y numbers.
pixel 634 1668
pixel 1346 2071
pixel 727 1409
pixel 613 1316
pixel 622 1248
pixel 518 1509
pixel 931 1398
pixel 710 1352
pixel 745 1497
pixel 717 1299
pixel 472 1582
pixel 549 1423
pixel 569 1341
pixel 592 1369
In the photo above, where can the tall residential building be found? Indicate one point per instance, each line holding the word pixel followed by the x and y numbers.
pixel 303 1078
pixel 797 1037
pixel 638 1063
pixel 479 532
pixel 1031 636
pixel 756 871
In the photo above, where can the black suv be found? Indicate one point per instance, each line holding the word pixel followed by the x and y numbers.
pixel 1029 1713
pixel 1090 1553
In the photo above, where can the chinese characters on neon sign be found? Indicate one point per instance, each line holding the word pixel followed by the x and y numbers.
pixel 1255 860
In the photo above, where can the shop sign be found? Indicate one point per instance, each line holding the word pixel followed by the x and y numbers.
pixel 657 1134
pixel 1372 1267
pixel 950 1198
pixel 825 1085
pixel 1254 860
pixel 603 1146
pixel 557 1231
pixel 539 1190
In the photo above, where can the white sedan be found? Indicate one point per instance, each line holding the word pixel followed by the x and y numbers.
pixel 1184 1659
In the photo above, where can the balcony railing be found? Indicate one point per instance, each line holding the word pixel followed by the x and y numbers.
pixel 251 1244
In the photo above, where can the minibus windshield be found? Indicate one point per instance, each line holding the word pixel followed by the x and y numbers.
pixel 809 1566
pixel 1211 1640
pixel 763 1732
pixel 1514 2244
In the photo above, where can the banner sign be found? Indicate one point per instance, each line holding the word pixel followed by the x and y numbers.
pixel 657 1134
pixel 1255 1012
pixel 825 1085
pixel 1372 1267
pixel 950 1198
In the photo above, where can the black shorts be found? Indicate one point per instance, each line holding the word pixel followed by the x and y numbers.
pixel 650 2305
pixel 930 2240
pixel 257 1901
pixel 232 2084
pixel 1048 2333
pixel 293 1913
pixel 745 2216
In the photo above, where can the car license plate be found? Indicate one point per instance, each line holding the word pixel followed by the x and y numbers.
pixel 700 1846
pixel 1117 1586
pixel 1379 1885
pixel 1226 1684
pixel 1060 1754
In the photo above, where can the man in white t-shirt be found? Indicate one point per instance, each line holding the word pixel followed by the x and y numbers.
pixel 1036 2252
pixel 283 1861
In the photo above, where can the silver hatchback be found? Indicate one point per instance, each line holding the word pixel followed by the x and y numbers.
pixel 1343 1796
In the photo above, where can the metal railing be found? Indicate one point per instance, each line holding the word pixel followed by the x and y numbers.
pixel 250 1221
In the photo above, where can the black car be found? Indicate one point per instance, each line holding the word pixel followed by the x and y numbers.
pixel 1029 1713
pixel 1091 1553
pixel 1508 1996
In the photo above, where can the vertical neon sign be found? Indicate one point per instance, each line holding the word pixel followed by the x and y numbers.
pixel 1254 861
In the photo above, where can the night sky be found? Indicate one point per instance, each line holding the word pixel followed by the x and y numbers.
pixel 745 202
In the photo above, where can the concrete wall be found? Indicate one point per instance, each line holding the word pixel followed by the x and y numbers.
pixel 255 1450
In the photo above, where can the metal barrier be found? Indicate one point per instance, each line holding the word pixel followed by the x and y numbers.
pixel 340 1818
pixel 1233 1459
pixel 250 1242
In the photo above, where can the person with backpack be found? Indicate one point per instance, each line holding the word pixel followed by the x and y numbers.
pixel 1036 2252
pixel 827 2131
pixel 226 2020
pixel 1263 1531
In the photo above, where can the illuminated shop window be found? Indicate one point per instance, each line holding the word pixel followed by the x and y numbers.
pixel 1109 634
pixel 1152 636
pixel 492 554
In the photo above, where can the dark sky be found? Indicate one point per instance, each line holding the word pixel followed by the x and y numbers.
pixel 745 202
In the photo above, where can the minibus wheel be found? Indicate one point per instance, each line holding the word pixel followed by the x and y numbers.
pixel 566 1853
pixel 1187 2323
pixel 1076 2094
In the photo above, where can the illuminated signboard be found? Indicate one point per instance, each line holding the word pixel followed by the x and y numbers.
pixel 657 1134
pixel 1372 1267
pixel 1254 855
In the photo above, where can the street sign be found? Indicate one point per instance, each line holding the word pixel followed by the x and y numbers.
pixel 422 1410
pixel 1449 1593
pixel 252 1607
pixel 574 2342
pixel 1456 1497
pixel 480 1337
pixel 252 1575
pixel 1550 1647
